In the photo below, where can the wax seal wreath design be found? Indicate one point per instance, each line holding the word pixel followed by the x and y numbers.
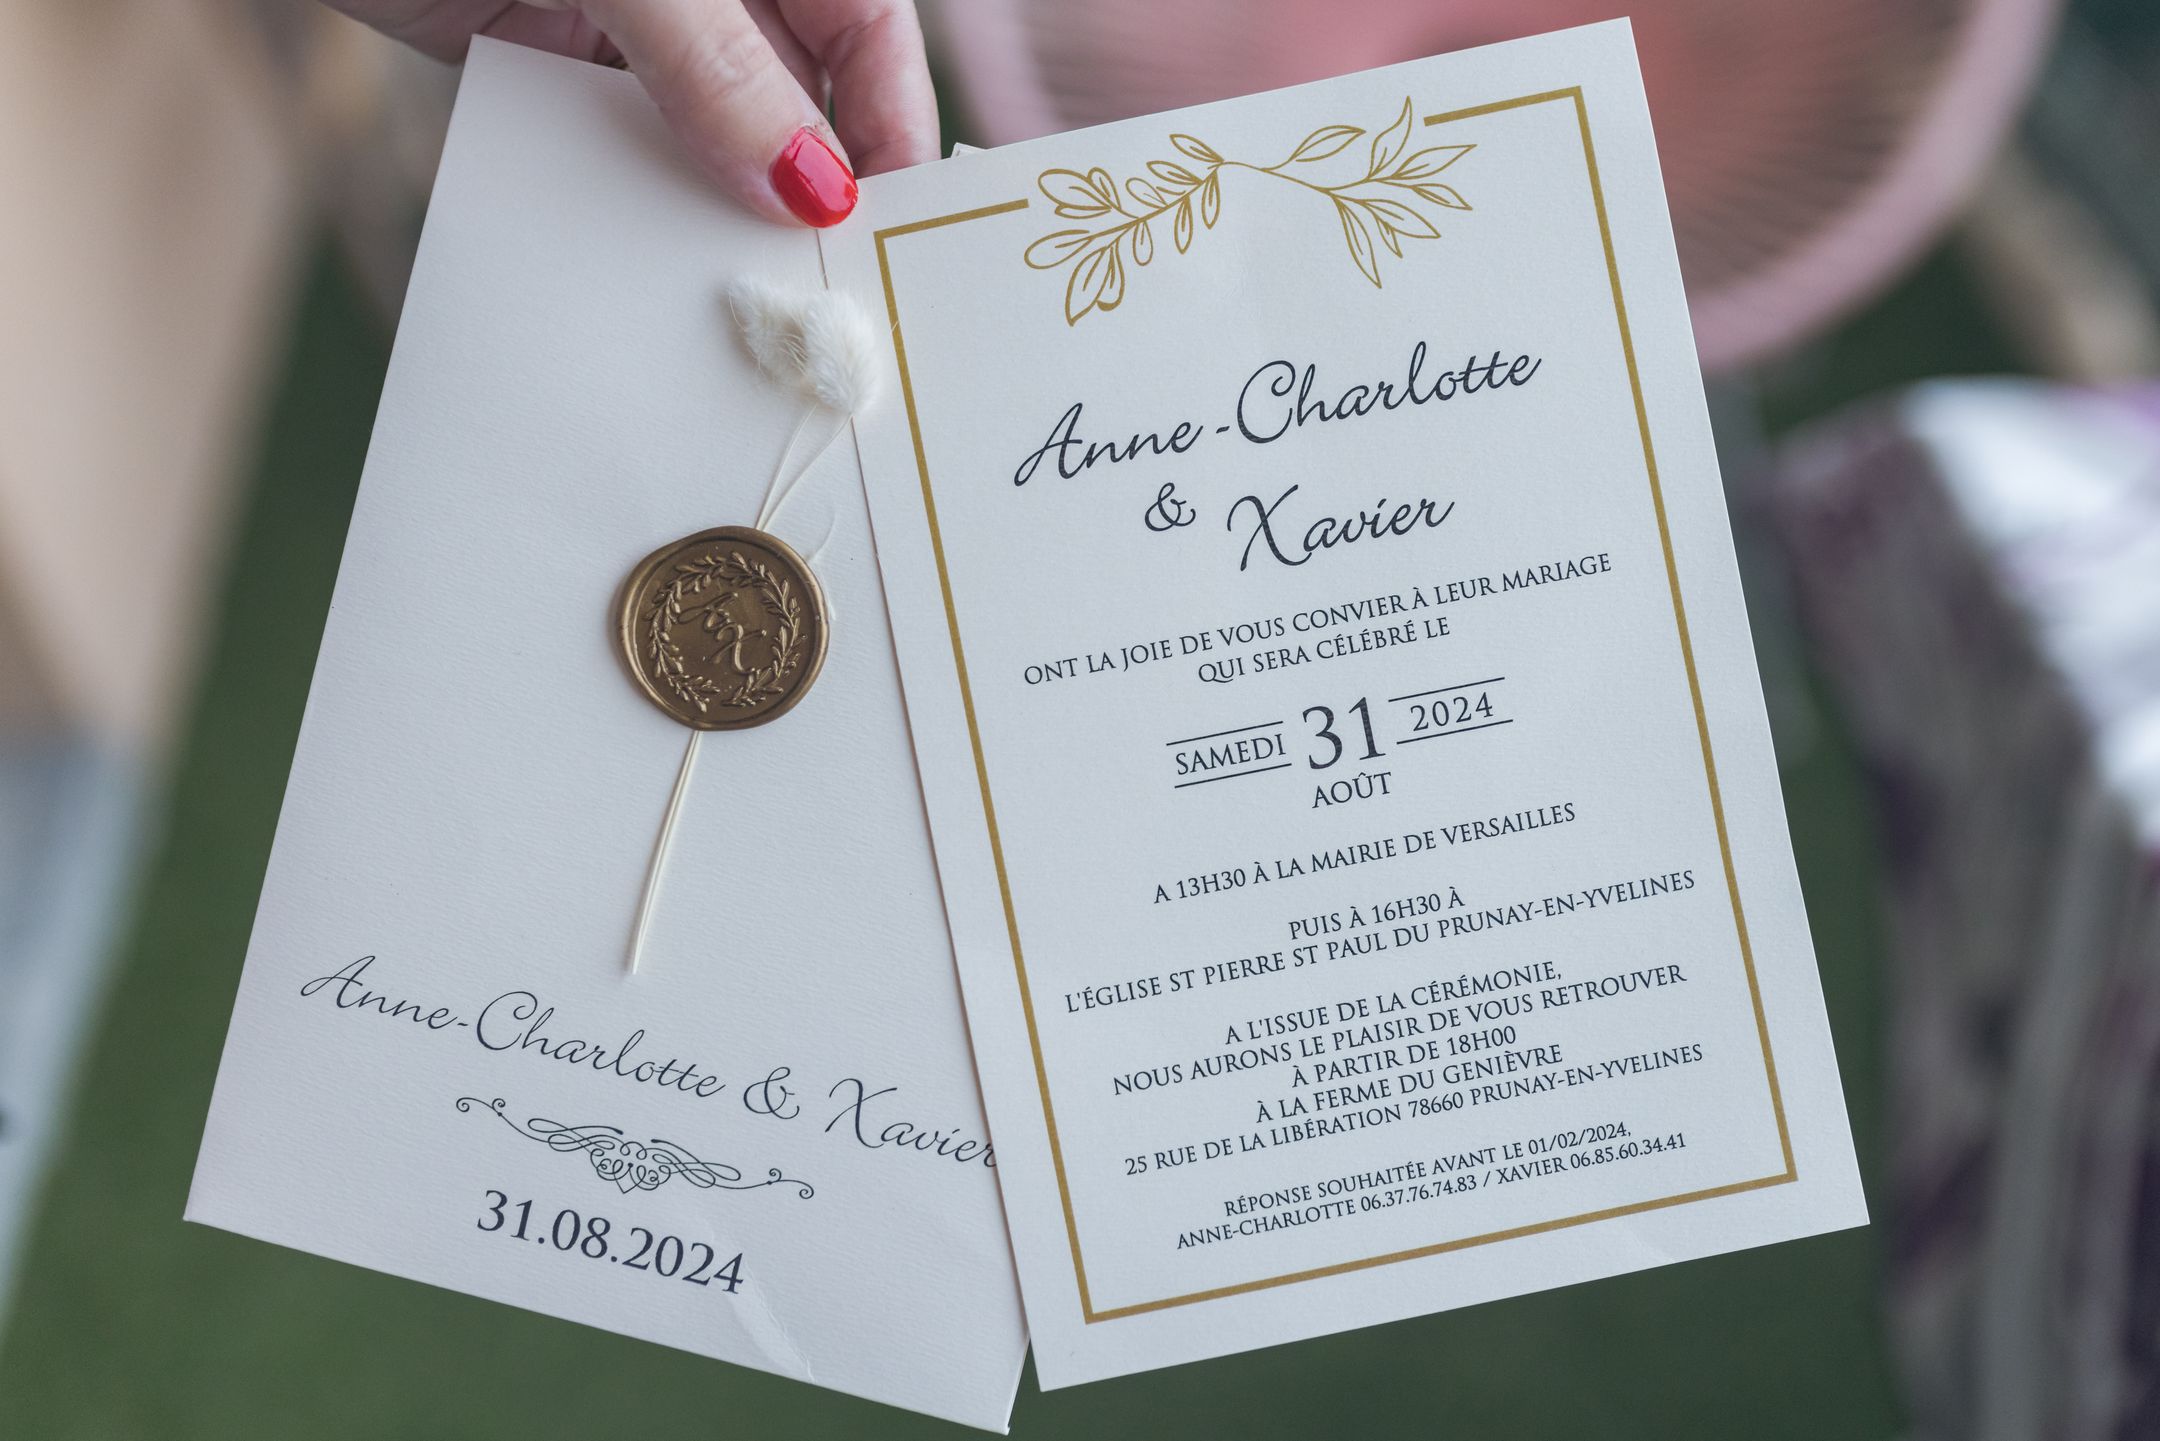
pixel 1385 205
pixel 723 629
pixel 700 592
pixel 631 1165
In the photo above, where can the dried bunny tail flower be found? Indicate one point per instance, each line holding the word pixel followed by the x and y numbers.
pixel 768 318
pixel 839 350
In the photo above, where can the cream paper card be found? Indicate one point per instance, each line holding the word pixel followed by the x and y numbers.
pixel 1336 710
pixel 767 1146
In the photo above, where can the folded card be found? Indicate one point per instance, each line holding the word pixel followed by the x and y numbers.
pixel 766 1145
pixel 1336 710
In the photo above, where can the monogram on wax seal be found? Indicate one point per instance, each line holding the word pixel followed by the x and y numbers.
pixel 723 629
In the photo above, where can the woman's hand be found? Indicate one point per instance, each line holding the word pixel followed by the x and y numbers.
pixel 739 80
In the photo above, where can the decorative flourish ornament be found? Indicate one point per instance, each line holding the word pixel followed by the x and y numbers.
pixel 629 1165
pixel 1383 206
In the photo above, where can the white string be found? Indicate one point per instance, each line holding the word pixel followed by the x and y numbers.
pixel 777 492
pixel 783 482
pixel 774 490
pixel 823 345
pixel 832 528
pixel 658 867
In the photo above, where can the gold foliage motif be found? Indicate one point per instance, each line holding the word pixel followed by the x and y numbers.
pixel 1385 205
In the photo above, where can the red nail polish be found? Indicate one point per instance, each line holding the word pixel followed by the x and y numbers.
pixel 815 183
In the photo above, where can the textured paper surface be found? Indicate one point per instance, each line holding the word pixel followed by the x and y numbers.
pixel 1352 925
pixel 477 791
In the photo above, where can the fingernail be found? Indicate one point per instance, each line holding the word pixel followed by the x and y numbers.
pixel 814 182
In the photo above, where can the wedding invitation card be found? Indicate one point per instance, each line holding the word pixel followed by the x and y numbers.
pixel 1335 707
pixel 766 1145
pixel 1327 692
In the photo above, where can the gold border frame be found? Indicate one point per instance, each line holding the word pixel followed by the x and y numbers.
pixel 1702 725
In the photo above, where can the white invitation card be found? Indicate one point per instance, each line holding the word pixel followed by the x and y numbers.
pixel 767 1144
pixel 1336 711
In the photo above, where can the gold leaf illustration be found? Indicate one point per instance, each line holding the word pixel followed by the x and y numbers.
pixel 1327 140
pixel 1388 235
pixel 1072 195
pixel 1430 162
pixel 1388 145
pixel 1380 207
pixel 1188 146
pixel 1097 283
pixel 1401 219
pixel 1360 238
pixel 1056 248
pixel 1440 194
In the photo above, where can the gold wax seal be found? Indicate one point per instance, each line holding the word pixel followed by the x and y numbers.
pixel 723 629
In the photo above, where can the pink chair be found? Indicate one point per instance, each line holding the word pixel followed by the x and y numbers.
pixel 1812 148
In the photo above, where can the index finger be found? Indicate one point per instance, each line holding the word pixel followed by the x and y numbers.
pixel 722 86
pixel 883 105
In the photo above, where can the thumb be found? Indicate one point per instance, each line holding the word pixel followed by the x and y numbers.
pixel 725 92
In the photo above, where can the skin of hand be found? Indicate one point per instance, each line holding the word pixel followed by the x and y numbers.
pixel 740 81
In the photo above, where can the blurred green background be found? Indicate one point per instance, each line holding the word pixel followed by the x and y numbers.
pixel 130 1324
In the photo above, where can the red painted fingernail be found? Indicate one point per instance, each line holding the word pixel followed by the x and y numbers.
pixel 815 182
